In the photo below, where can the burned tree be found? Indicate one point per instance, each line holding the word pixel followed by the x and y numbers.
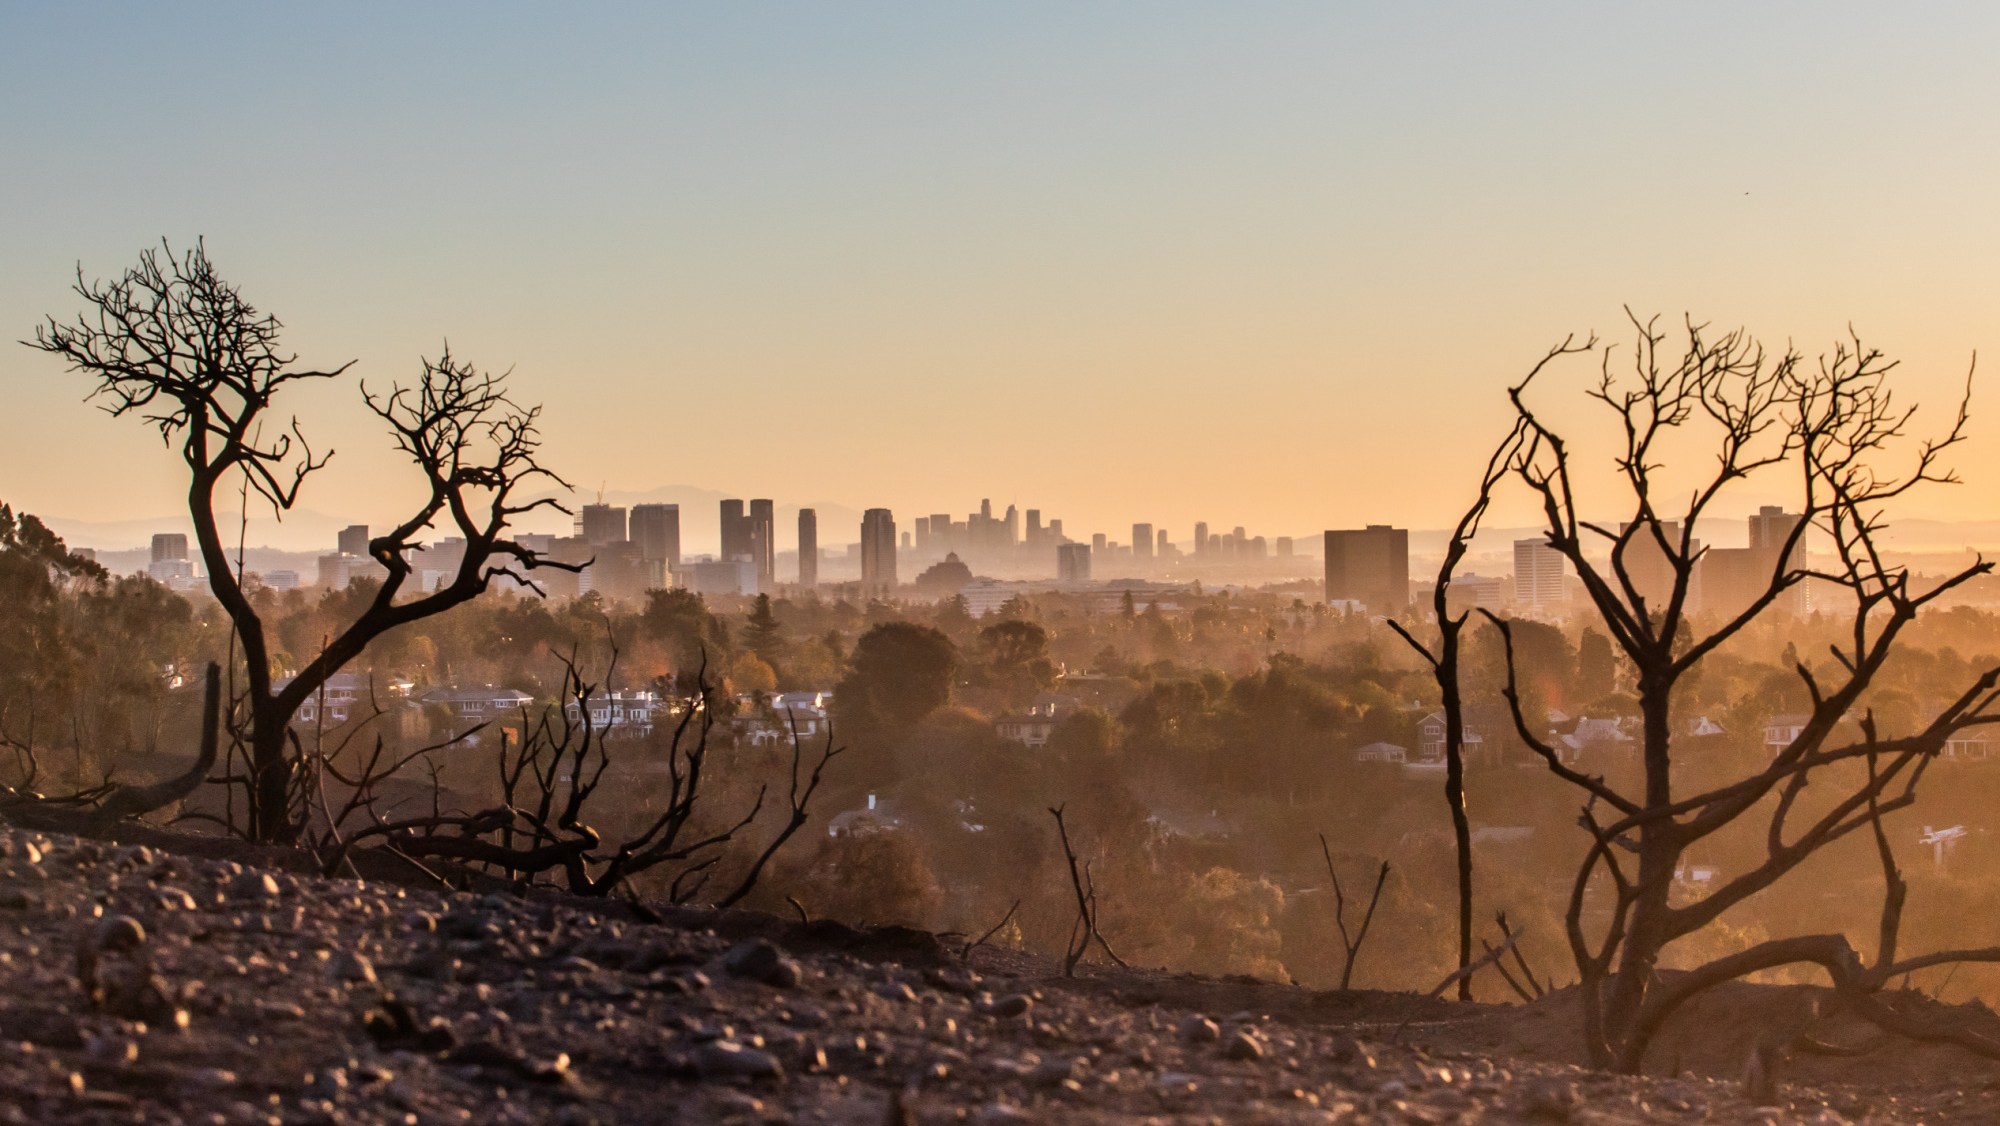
pixel 1443 659
pixel 1830 425
pixel 173 344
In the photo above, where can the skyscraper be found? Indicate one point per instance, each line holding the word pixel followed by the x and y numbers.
pixel 1142 541
pixel 601 524
pixel 735 532
pixel 808 548
pixel 1073 562
pixel 354 539
pixel 169 545
pixel 1161 543
pixel 1201 538
pixel 1034 527
pixel 1371 566
pixel 1538 577
pixel 764 543
pixel 878 553
pixel 656 528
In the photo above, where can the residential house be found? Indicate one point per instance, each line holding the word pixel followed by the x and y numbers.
pixel 786 714
pixel 1968 744
pixel 1033 727
pixel 468 707
pixel 1592 735
pixel 1431 742
pixel 1781 730
pixel 627 714
pixel 1382 752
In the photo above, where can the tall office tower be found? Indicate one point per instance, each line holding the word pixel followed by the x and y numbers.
pixel 764 544
pixel 1201 538
pixel 656 528
pixel 1142 541
pixel 1011 526
pixel 1733 578
pixel 1371 566
pixel 602 523
pixel 1055 531
pixel 985 509
pixel 1284 547
pixel 1097 544
pixel 1162 543
pixel 1034 527
pixel 1073 562
pixel 923 534
pixel 808 548
pixel 173 545
pixel 878 553
pixel 354 539
pixel 1768 532
pixel 1652 572
pixel 1538 578
pixel 735 532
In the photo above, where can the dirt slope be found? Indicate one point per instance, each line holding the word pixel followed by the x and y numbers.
pixel 166 982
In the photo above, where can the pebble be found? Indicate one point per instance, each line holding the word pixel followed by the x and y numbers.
pixel 253 884
pixel 355 967
pixel 727 1059
pixel 1012 1005
pixel 760 960
pixel 1243 1046
pixel 1199 1029
pixel 118 934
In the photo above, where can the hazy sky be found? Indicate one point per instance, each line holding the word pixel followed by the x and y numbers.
pixel 1260 264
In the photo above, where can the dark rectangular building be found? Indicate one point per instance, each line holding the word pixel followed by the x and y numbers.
pixel 1371 566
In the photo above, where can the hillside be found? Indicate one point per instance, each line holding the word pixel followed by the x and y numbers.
pixel 174 979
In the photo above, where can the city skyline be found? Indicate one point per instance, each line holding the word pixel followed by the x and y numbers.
pixel 1207 248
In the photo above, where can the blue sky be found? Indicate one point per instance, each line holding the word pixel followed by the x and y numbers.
pixel 1159 262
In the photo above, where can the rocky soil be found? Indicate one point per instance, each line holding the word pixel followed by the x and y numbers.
pixel 166 982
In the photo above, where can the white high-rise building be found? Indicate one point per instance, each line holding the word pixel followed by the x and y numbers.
pixel 1539 571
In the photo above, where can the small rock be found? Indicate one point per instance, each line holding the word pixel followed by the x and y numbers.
pixel 1549 1098
pixel 1057 1070
pixel 354 967
pixel 1199 1029
pixel 1243 1046
pixel 727 1059
pixel 1012 1005
pixel 253 884
pixel 118 934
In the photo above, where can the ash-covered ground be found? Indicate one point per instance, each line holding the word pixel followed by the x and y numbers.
pixel 177 980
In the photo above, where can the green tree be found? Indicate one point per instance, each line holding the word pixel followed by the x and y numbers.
pixel 764 634
pixel 680 619
pixel 902 672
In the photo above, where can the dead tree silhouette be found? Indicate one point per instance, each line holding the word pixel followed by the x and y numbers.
pixel 1832 424
pixel 173 344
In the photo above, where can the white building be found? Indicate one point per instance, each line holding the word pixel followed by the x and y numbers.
pixel 1539 570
